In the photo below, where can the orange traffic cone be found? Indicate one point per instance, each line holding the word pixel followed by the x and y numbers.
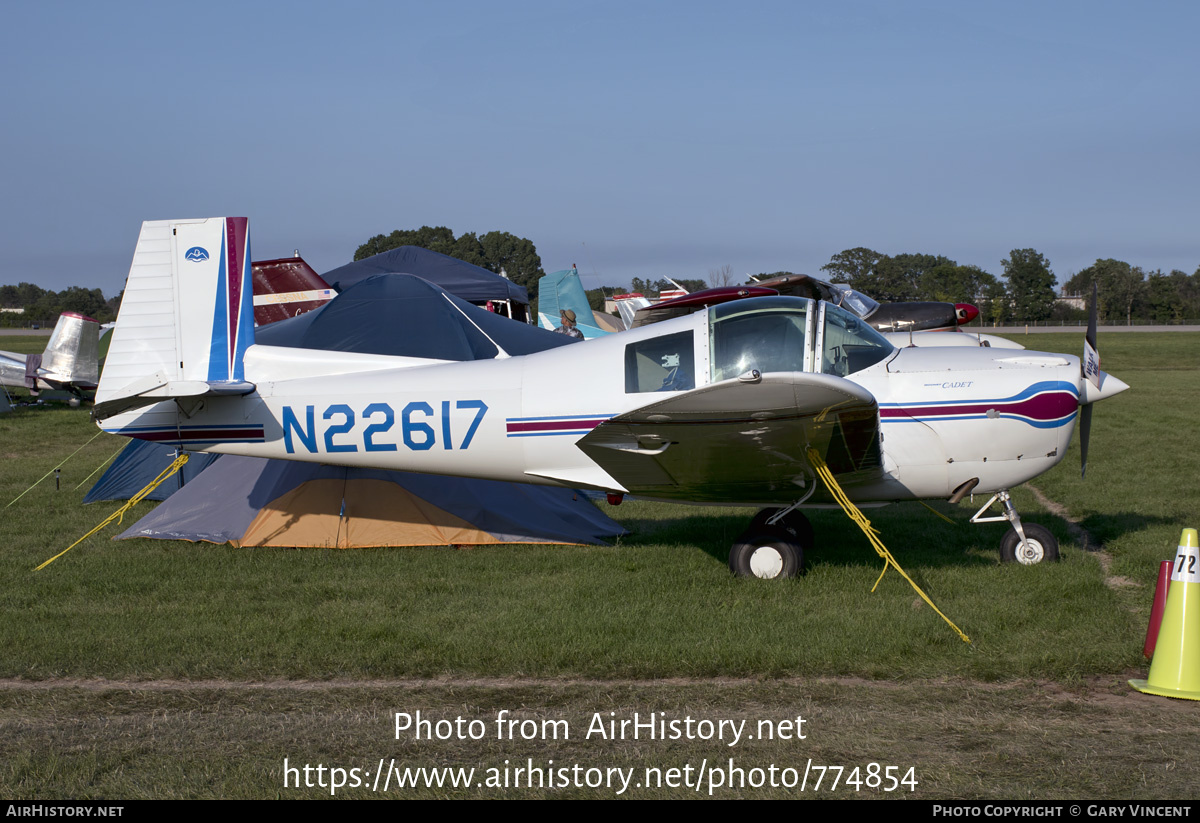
pixel 1175 669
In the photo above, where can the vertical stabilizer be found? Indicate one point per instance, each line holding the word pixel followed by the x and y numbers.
pixel 187 315
pixel 562 290
pixel 73 353
pixel 286 288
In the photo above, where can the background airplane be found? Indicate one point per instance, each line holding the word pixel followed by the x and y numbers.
pixel 563 290
pixel 287 287
pixel 71 360
pixel 905 324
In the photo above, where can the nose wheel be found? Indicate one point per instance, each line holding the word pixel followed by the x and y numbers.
pixel 1040 546
pixel 1025 544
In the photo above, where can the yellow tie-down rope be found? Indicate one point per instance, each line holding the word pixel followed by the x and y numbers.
pixel 119 514
pixel 59 466
pixel 938 513
pixel 858 517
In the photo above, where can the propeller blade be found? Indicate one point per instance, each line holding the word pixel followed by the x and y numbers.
pixel 1090 364
pixel 1085 428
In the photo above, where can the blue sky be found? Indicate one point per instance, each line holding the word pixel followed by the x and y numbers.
pixel 635 139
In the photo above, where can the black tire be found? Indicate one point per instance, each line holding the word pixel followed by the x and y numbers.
pixel 795 522
pixel 1043 544
pixel 769 554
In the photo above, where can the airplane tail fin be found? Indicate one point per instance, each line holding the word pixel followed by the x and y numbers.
pixel 562 290
pixel 629 307
pixel 285 288
pixel 186 318
pixel 73 353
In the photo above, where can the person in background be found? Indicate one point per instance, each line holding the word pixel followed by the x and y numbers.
pixel 568 325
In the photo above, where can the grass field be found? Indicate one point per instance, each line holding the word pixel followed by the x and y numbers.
pixel 157 669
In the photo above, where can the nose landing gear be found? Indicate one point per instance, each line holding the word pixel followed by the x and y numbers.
pixel 1025 544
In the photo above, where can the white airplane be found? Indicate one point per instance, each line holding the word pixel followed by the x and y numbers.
pixel 71 360
pixel 718 406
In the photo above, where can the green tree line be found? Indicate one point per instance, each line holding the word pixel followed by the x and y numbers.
pixel 1024 292
pixel 1128 295
pixel 43 306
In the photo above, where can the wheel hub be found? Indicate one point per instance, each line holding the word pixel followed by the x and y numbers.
pixel 766 562
pixel 1030 552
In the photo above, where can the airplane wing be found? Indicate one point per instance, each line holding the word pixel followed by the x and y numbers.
pixel 742 439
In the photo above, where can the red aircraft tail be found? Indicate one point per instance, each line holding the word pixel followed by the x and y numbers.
pixel 287 287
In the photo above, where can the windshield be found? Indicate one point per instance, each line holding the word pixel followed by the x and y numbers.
pixel 850 344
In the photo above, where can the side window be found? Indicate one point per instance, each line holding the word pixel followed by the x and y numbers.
pixel 767 341
pixel 660 364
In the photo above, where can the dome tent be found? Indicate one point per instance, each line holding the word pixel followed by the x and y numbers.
pixel 250 501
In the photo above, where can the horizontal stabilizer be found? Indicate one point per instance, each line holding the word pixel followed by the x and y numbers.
pixel 156 389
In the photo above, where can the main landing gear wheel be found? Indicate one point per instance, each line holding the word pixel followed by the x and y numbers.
pixel 794 522
pixel 767 553
pixel 1040 546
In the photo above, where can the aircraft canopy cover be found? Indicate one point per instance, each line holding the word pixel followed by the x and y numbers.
pixel 459 277
pixel 401 314
pixel 251 501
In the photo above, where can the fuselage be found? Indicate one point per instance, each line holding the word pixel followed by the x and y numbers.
pixel 945 415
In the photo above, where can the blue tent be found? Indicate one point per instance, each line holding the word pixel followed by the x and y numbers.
pixel 423 321
pixel 140 462
pixel 456 276
pixel 249 501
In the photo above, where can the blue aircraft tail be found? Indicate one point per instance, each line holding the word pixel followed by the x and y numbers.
pixel 562 290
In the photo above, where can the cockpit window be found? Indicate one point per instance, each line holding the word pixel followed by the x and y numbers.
pixel 853 301
pixel 766 334
pixel 660 364
pixel 851 345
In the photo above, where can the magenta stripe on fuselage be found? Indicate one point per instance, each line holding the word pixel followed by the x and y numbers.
pixel 553 425
pixel 1045 407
